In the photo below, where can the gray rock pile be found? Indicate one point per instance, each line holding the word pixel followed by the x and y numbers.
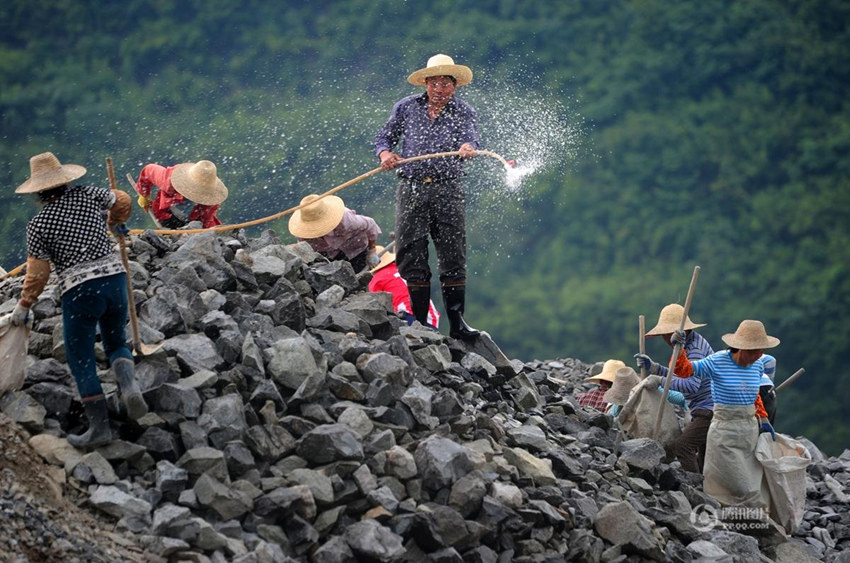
pixel 295 418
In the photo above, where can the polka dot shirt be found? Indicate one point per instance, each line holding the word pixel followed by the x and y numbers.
pixel 71 233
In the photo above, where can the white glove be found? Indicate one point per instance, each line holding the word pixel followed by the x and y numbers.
pixel 20 315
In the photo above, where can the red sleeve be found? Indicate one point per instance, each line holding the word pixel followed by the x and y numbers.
pixel 153 175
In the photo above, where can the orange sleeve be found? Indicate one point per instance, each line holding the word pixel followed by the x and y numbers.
pixel 760 412
pixel 684 367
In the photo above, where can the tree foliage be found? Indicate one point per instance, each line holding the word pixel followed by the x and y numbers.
pixel 714 133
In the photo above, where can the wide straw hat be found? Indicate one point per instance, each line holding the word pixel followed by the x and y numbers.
pixel 670 320
pixel 198 182
pixel 624 380
pixel 47 172
pixel 750 335
pixel 317 219
pixel 441 65
pixel 609 371
pixel 387 258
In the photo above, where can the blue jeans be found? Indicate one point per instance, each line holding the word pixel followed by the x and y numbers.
pixel 101 301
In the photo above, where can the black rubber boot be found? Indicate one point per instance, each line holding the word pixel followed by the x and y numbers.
pixel 454 297
pixel 420 299
pixel 99 433
pixel 125 373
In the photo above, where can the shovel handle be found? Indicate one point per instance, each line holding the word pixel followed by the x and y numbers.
pixel 790 380
pixel 122 245
pixel 676 349
pixel 642 342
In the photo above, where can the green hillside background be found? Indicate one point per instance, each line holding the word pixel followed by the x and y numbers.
pixel 661 135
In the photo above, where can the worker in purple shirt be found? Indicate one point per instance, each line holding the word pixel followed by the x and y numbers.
pixel 691 445
pixel 336 232
pixel 430 199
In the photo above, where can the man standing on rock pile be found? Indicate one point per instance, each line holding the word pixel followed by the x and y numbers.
pixel 430 199
pixel 71 232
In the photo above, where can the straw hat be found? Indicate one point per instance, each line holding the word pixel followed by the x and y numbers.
pixel 750 335
pixel 47 172
pixel 670 320
pixel 624 380
pixel 441 65
pixel 317 219
pixel 609 371
pixel 198 182
pixel 387 258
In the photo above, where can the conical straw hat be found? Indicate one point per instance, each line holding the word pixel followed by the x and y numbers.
pixel 199 182
pixel 317 219
pixel 609 371
pixel 750 335
pixel 47 172
pixel 670 320
pixel 441 65
pixel 387 258
pixel 624 380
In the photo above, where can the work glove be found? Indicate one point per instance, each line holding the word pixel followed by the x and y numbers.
pixel 119 229
pixel 679 338
pixel 372 258
pixel 766 427
pixel 143 202
pixel 20 315
pixel 644 361
pixel 653 380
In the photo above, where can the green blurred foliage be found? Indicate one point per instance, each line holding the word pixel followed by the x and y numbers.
pixel 713 133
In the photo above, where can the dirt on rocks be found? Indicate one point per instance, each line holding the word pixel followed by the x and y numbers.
pixel 39 523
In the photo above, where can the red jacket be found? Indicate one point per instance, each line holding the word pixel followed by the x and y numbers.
pixel 154 175
pixel 388 279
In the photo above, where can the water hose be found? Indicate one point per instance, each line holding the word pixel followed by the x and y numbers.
pixel 291 210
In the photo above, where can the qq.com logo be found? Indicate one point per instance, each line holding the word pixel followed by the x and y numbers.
pixel 705 517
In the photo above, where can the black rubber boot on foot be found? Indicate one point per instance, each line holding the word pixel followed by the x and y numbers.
pixel 125 373
pixel 420 299
pixel 99 432
pixel 454 297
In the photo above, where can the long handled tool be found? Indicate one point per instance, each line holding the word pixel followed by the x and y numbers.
pixel 642 342
pixel 790 380
pixel 676 349
pixel 139 348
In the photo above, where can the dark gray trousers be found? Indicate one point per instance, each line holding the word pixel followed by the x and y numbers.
pixel 438 210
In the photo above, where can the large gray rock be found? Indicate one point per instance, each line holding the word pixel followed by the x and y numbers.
pixel 194 352
pixel 223 419
pixel 330 442
pixel 622 525
pixel 291 362
pixel 370 540
pixel 643 453
pixel 226 501
pixel 441 461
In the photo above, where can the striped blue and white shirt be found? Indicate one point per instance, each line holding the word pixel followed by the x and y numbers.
pixel 769 370
pixel 697 392
pixel 731 384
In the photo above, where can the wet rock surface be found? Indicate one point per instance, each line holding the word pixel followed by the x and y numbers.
pixel 295 418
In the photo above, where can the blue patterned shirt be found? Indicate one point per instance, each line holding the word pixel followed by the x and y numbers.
pixel 409 123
